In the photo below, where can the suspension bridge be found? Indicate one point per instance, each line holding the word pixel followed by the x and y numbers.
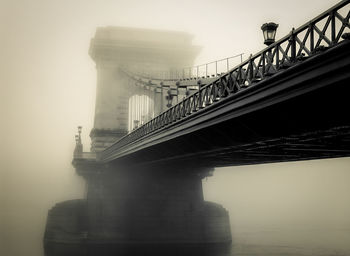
pixel 160 128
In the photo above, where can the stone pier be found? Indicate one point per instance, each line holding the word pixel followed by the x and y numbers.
pixel 130 209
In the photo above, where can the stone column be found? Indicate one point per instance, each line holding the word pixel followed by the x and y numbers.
pixel 153 206
pixel 158 101
pixel 112 106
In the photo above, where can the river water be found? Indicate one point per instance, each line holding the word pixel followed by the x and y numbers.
pixel 247 242
pixel 296 242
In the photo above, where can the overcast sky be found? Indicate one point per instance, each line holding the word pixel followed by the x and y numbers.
pixel 48 84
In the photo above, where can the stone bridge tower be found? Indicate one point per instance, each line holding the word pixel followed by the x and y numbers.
pixel 150 51
pixel 130 209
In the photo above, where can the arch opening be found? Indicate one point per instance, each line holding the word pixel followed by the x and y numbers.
pixel 141 110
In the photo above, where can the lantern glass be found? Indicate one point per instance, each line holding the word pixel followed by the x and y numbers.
pixel 269 32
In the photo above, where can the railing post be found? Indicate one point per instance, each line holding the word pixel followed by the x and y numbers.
pixel 161 97
pixel 277 57
pixel 263 71
pixel 312 40
pixel 292 46
pixel 197 70
pixel 333 27
pixel 200 103
pixel 206 70
pixel 177 91
pixel 251 74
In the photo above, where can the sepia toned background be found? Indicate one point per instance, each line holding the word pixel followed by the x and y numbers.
pixel 48 84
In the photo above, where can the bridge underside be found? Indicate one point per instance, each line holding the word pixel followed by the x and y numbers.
pixel 297 114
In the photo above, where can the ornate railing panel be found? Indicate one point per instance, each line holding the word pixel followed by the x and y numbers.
pixel 319 34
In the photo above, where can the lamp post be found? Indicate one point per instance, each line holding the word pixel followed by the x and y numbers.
pixel 269 32
pixel 79 133
pixel 136 124
pixel 78 145
pixel 169 98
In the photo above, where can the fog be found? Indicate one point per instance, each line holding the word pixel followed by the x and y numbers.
pixel 300 205
pixel 48 84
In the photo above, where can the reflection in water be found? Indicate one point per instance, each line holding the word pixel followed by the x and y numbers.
pixel 288 241
pixel 239 248
pixel 137 249
pixel 248 242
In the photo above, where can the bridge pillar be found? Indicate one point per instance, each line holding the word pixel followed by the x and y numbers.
pixel 139 50
pixel 138 211
pixel 144 209
pixel 111 108
pixel 158 101
pixel 133 210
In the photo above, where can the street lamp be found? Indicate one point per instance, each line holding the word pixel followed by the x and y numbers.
pixel 136 124
pixel 78 146
pixel 79 133
pixel 269 31
pixel 169 98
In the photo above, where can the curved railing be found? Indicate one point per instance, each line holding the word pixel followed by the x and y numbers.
pixel 207 70
pixel 321 33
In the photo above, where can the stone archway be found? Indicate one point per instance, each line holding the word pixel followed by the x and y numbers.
pixel 141 110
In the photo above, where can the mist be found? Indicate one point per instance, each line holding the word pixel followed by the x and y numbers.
pixel 303 205
pixel 48 85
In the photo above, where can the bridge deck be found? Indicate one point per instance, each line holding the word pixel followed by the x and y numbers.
pixel 287 102
pixel 297 113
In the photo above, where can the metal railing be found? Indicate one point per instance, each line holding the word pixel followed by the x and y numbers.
pixel 300 44
pixel 214 68
pixel 210 69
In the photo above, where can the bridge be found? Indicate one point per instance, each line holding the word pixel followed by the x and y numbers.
pixel 160 128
